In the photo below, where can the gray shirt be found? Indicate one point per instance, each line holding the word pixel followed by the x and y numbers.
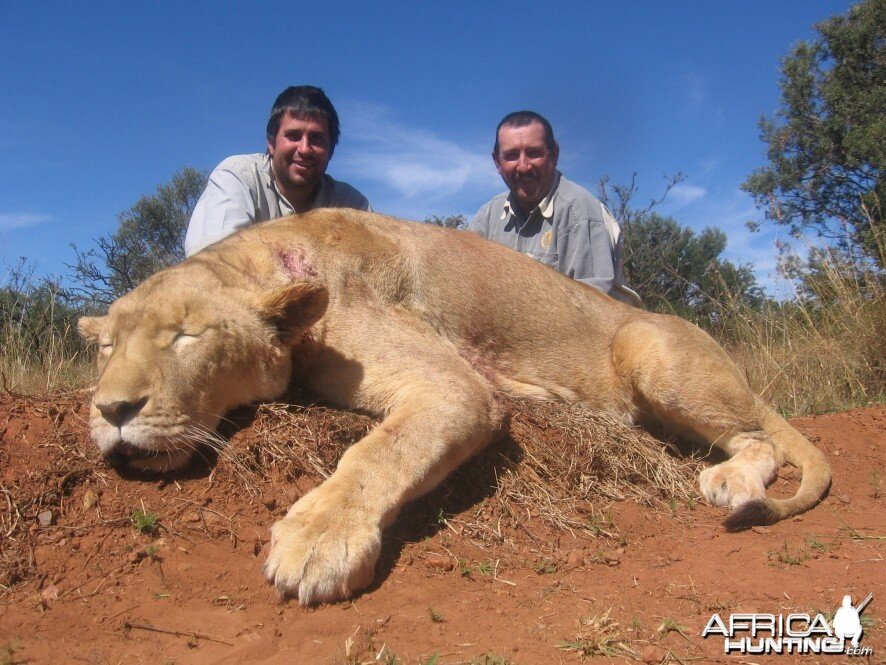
pixel 570 231
pixel 241 191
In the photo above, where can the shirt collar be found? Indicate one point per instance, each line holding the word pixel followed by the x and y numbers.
pixel 545 207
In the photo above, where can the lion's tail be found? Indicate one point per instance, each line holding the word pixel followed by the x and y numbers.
pixel 798 451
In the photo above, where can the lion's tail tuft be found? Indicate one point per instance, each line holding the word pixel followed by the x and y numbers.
pixel 757 512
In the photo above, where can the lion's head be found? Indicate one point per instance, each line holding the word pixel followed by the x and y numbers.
pixel 182 349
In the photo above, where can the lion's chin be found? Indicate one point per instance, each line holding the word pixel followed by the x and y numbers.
pixel 161 462
pixel 127 457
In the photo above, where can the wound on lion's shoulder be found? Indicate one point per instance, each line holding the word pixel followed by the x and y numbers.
pixel 295 263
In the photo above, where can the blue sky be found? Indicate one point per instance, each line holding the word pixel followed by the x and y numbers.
pixel 104 101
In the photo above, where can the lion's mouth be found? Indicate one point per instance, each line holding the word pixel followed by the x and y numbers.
pixel 124 452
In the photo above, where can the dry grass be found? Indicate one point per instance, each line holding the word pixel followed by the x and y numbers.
pixel 39 345
pixel 291 440
pixel 559 463
pixel 823 351
pixel 600 636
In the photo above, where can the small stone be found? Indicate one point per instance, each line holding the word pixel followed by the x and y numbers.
pixel 192 517
pixel 652 654
pixel 439 561
pixel 49 593
pixel 613 557
pixel 135 557
pixel 211 518
pixel 89 499
pixel 845 498
pixel 575 559
pixel 46 518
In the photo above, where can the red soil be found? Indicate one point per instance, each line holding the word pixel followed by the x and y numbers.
pixel 91 588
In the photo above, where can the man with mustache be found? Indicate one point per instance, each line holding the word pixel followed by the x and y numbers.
pixel 546 216
pixel 302 133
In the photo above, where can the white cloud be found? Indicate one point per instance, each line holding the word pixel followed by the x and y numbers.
pixel 9 221
pixel 684 194
pixel 414 163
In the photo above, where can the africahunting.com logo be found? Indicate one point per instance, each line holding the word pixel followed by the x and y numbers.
pixel 798 633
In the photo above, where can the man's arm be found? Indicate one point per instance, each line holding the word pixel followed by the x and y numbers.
pixel 225 206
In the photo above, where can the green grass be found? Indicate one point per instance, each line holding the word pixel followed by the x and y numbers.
pixel 144 521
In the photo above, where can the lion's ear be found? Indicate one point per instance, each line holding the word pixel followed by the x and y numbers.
pixel 294 308
pixel 90 327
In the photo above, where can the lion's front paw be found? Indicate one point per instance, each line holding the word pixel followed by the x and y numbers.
pixel 322 556
pixel 731 484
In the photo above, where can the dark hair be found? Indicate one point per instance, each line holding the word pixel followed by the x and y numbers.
pixel 303 102
pixel 522 119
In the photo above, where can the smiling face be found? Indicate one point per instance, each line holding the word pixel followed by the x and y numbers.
pixel 526 163
pixel 300 153
pixel 174 357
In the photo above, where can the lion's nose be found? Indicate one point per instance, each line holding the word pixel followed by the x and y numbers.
pixel 119 411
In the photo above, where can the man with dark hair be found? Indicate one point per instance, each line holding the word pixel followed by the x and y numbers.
pixel 546 216
pixel 302 133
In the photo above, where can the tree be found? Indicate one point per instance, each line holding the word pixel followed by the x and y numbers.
pixel 673 268
pixel 150 237
pixel 827 144
pixel 449 222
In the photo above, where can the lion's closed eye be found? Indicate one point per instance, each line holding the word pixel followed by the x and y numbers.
pixel 184 339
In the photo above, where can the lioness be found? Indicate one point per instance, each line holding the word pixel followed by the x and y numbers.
pixel 426 326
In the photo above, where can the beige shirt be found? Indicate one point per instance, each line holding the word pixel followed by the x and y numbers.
pixel 569 230
pixel 241 191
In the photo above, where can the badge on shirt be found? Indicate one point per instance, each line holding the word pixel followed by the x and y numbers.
pixel 546 239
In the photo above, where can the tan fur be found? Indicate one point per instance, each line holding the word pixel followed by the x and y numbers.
pixel 425 326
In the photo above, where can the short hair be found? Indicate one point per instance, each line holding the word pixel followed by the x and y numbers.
pixel 304 102
pixel 523 119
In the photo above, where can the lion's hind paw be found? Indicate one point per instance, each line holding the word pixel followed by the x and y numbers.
pixel 320 559
pixel 731 484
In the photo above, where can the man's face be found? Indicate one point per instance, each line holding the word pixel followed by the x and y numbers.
pixel 300 152
pixel 525 163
